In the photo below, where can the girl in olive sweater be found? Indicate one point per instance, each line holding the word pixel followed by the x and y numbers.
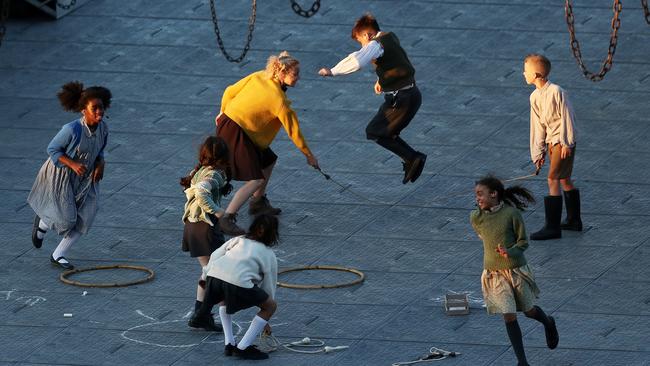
pixel 507 281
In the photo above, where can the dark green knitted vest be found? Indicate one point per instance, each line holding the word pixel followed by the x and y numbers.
pixel 393 68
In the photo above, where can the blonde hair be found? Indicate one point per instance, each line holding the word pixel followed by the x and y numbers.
pixel 541 64
pixel 280 63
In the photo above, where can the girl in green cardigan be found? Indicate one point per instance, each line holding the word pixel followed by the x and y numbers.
pixel 507 281
pixel 204 187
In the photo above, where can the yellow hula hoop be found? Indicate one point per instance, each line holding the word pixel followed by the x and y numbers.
pixel 326 268
pixel 64 276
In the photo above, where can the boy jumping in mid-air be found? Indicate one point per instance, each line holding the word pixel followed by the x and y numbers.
pixel 552 131
pixel 395 78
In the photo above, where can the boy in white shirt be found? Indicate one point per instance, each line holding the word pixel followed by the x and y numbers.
pixel 395 78
pixel 241 274
pixel 552 132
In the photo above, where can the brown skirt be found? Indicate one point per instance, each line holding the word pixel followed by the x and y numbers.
pixel 246 159
pixel 201 238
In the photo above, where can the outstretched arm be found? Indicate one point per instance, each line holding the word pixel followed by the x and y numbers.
pixel 355 61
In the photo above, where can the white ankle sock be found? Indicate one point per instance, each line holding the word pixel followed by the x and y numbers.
pixel 42 226
pixel 226 323
pixel 256 327
pixel 65 244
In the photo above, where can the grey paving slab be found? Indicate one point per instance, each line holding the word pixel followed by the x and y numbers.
pixel 633 267
pixel 565 357
pixel 610 297
pixel 19 342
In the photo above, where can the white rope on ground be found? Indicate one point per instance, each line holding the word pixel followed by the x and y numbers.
pixel 435 354
pixel 269 343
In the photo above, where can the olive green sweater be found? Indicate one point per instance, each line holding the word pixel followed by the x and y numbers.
pixel 504 226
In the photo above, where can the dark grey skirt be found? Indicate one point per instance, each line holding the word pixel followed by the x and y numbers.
pixel 201 239
pixel 236 298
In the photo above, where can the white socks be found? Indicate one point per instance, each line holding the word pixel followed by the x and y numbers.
pixel 256 327
pixel 65 244
pixel 42 226
pixel 226 323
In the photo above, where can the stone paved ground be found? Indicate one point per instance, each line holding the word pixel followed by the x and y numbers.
pixel 413 242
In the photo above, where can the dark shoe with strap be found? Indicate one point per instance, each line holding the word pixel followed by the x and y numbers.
pixel 552 335
pixel 62 263
pixel 553 211
pixel 261 205
pixel 251 353
pixel 228 224
pixel 206 323
pixel 573 222
pixel 35 230
pixel 229 350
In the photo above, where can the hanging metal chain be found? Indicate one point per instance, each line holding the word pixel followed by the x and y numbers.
pixel 4 15
pixel 305 13
pixel 66 6
pixel 646 11
pixel 251 27
pixel 575 46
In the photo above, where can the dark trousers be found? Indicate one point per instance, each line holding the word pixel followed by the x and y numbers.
pixel 393 116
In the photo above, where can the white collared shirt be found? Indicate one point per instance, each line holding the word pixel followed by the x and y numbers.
pixel 359 59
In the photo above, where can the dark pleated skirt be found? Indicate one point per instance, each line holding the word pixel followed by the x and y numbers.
pixel 246 159
pixel 201 239
pixel 236 298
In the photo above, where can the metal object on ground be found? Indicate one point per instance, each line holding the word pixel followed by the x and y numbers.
pixel 456 304
pixel 64 277
pixel 318 268
pixel 575 46
pixel 249 37
pixel 305 13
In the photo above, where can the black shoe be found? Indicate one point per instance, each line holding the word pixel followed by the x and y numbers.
pixel 228 225
pixel 419 168
pixel 573 221
pixel 60 263
pixel 261 205
pixel 553 211
pixel 229 350
pixel 206 323
pixel 413 168
pixel 552 336
pixel 35 229
pixel 251 353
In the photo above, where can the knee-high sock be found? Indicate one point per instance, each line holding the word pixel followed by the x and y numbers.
pixel 226 323
pixel 42 226
pixel 65 244
pixel 514 333
pixel 539 315
pixel 256 327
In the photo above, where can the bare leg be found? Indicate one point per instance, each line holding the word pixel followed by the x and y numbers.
pixel 267 308
pixel 243 194
pixel 567 184
pixel 267 176
pixel 200 291
pixel 553 187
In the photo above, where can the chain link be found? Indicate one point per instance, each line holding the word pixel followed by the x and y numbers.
pixel 4 15
pixel 305 13
pixel 66 6
pixel 646 11
pixel 251 27
pixel 575 46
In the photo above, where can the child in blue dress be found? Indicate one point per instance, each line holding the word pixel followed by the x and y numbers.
pixel 66 191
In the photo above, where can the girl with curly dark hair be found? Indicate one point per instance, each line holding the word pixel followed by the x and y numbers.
pixel 65 193
pixel 204 187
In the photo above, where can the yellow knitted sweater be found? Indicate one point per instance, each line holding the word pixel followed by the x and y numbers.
pixel 260 107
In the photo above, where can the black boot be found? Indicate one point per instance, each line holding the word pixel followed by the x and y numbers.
pixel 262 205
pixel 551 229
pixel 573 221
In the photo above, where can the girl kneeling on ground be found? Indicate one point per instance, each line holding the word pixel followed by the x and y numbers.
pixel 241 274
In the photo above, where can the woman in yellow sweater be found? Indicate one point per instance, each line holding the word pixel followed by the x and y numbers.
pixel 252 112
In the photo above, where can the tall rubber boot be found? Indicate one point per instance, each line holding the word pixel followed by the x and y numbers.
pixel 551 229
pixel 573 221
